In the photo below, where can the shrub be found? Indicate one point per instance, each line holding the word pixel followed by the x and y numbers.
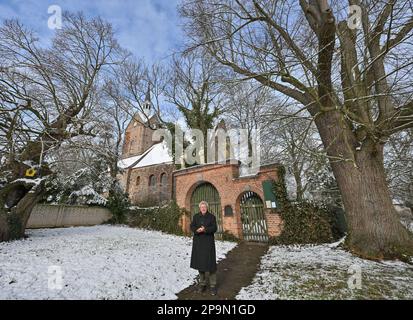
pixel 118 203
pixel 304 222
pixel 164 218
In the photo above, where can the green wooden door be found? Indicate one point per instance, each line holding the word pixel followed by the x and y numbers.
pixel 254 225
pixel 207 192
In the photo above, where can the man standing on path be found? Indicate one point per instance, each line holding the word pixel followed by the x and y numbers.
pixel 203 256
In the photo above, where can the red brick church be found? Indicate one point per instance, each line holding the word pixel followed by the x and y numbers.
pixel 244 205
pixel 147 164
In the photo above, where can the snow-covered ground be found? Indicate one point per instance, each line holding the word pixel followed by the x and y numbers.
pixel 101 262
pixel 325 272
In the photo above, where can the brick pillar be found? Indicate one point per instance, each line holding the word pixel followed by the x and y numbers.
pixel 274 223
pixel 185 224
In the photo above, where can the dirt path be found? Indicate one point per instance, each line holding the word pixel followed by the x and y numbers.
pixel 234 272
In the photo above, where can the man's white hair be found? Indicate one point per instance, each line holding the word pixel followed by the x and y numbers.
pixel 203 202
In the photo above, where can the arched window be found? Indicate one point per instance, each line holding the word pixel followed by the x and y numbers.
pixel 138 180
pixel 164 187
pixel 164 179
pixel 152 181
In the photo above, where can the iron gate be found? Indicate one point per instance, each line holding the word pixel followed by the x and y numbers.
pixel 254 225
pixel 207 192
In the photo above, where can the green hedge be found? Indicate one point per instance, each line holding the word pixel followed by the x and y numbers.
pixel 164 218
pixel 118 203
pixel 304 222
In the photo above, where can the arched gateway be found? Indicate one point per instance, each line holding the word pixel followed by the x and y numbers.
pixel 207 192
pixel 254 225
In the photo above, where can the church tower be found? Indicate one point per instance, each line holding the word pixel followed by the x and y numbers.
pixel 138 135
pixel 147 105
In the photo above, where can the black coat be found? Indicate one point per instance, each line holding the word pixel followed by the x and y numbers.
pixel 203 256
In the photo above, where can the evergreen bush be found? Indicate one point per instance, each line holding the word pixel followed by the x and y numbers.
pixel 118 204
pixel 304 222
pixel 165 218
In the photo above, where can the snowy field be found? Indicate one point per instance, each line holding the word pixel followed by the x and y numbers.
pixel 102 262
pixel 324 272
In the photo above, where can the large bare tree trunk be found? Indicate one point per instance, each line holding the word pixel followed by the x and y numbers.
pixel 375 228
pixel 21 197
pixel 375 231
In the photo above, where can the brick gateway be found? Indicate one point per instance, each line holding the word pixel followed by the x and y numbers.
pixel 237 201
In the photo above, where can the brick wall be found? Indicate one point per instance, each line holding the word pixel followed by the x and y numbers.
pixel 138 137
pixel 225 178
pixel 274 223
pixel 139 190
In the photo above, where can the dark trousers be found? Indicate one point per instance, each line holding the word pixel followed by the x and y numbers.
pixel 212 276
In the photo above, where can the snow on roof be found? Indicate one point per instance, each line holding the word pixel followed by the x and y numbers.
pixel 157 154
pixel 127 162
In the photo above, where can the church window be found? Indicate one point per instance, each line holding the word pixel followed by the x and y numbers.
pixel 164 179
pixel 164 187
pixel 152 181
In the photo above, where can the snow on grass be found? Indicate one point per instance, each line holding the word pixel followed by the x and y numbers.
pixel 101 262
pixel 323 272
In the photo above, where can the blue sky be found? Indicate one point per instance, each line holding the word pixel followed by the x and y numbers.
pixel 148 28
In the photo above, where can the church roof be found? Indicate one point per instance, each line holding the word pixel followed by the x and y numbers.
pixel 127 162
pixel 140 117
pixel 155 155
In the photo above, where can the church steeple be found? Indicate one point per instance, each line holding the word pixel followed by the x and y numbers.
pixel 147 103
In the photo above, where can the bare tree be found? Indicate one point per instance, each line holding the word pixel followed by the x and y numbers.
pixel 196 92
pixel 114 117
pixel 299 146
pixel 48 97
pixel 135 82
pixel 247 106
pixel 354 83
pixel 398 162
pixel 286 139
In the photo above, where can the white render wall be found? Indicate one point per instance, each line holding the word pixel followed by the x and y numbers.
pixel 54 216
